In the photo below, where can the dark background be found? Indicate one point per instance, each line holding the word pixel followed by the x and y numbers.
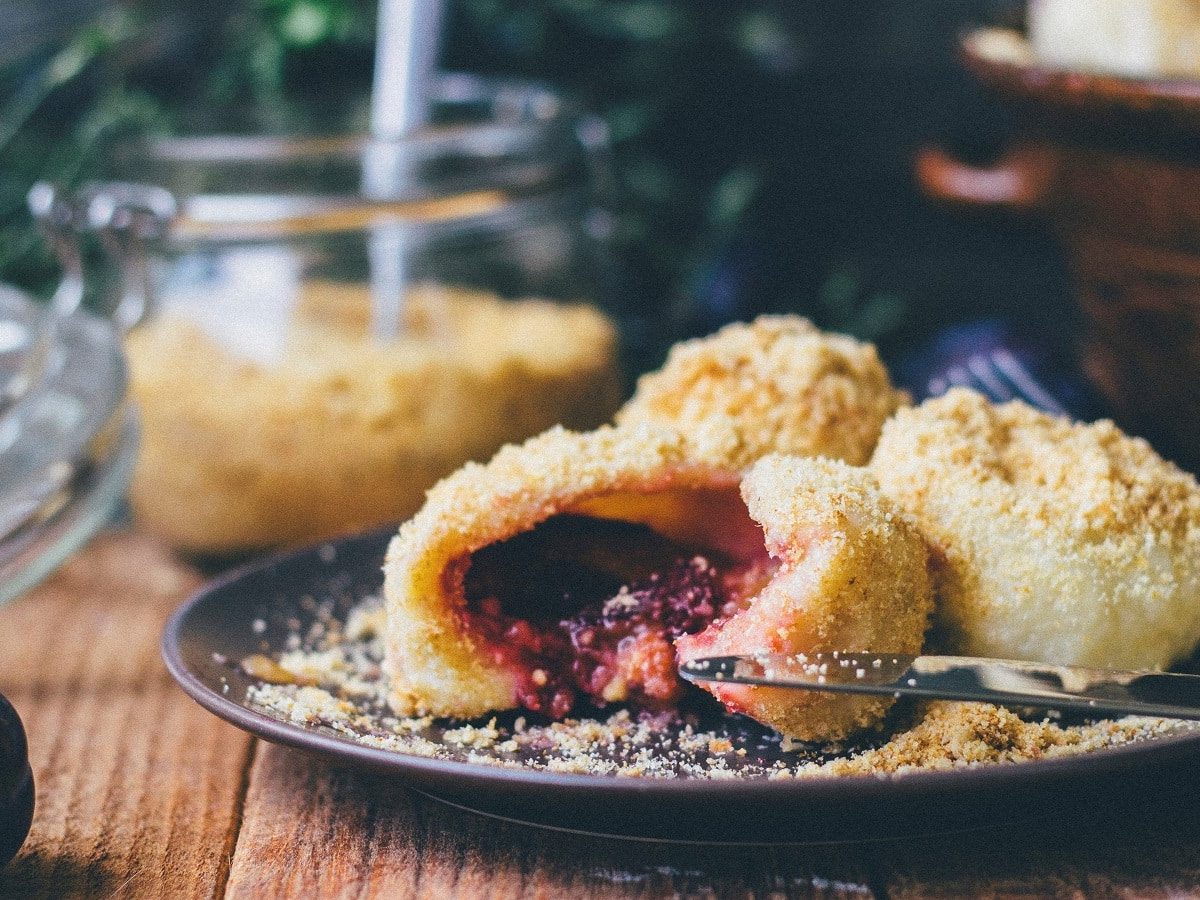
pixel 763 150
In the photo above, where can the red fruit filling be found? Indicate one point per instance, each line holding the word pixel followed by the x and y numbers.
pixel 590 608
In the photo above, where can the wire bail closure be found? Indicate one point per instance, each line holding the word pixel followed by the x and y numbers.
pixel 125 216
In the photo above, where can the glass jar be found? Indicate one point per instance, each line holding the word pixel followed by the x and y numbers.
pixel 322 328
pixel 67 440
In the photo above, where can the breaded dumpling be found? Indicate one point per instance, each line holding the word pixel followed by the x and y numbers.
pixel 776 385
pixel 485 585
pixel 576 567
pixel 852 576
pixel 1055 541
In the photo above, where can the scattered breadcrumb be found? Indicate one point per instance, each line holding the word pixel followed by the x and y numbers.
pixel 334 682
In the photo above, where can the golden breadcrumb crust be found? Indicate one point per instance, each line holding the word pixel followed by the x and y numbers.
pixel 853 577
pixel 342 433
pixel 776 385
pixel 433 660
pixel 1062 542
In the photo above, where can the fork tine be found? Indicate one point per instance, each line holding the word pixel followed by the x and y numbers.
pixel 957 376
pixel 984 369
pixel 1026 386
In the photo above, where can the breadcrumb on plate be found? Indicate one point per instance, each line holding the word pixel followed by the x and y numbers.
pixel 349 700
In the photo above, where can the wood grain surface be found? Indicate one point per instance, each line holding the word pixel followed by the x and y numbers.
pixel 138 789
pixel 375 840
pixel 143 794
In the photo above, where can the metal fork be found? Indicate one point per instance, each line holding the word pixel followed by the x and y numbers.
pixel 1000 377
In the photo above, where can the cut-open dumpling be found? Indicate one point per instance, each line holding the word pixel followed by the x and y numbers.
pixel 564 569
pixel 567 569
pixel 851 575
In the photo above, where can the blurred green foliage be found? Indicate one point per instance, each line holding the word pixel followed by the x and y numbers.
pixel 761 149
pixel 36 143
pixel 149 67
pixel 287 66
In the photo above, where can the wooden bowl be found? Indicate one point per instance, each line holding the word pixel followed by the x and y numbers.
pixel 1114 164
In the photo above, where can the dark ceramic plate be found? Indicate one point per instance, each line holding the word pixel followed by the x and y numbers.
pixel 217 626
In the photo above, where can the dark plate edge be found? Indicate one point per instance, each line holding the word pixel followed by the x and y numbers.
pixel 985 777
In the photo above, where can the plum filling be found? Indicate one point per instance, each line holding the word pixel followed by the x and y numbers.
pixel 585 608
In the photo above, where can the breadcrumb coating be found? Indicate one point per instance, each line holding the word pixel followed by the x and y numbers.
pixel 853 577
pixel 1055 541
pixel 432 659
pixel 776 385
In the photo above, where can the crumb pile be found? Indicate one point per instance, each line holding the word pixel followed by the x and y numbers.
pixel 331 678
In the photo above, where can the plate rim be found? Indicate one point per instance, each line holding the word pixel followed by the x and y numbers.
pixel 989 777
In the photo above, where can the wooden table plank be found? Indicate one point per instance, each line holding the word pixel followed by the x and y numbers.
pixel 138 788
pixel 314 829
pixel 1147 847
pixel 311 829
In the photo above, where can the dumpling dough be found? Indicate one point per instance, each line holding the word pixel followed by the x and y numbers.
pixel 853 577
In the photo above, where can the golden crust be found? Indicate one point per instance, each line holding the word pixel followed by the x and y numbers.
pixel 432 659
pixel 1062 542
pixel 853 576
pixel 776 385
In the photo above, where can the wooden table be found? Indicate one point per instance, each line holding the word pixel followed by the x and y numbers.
pixel 143 793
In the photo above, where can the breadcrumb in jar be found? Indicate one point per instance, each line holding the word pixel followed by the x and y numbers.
pixel 340 433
